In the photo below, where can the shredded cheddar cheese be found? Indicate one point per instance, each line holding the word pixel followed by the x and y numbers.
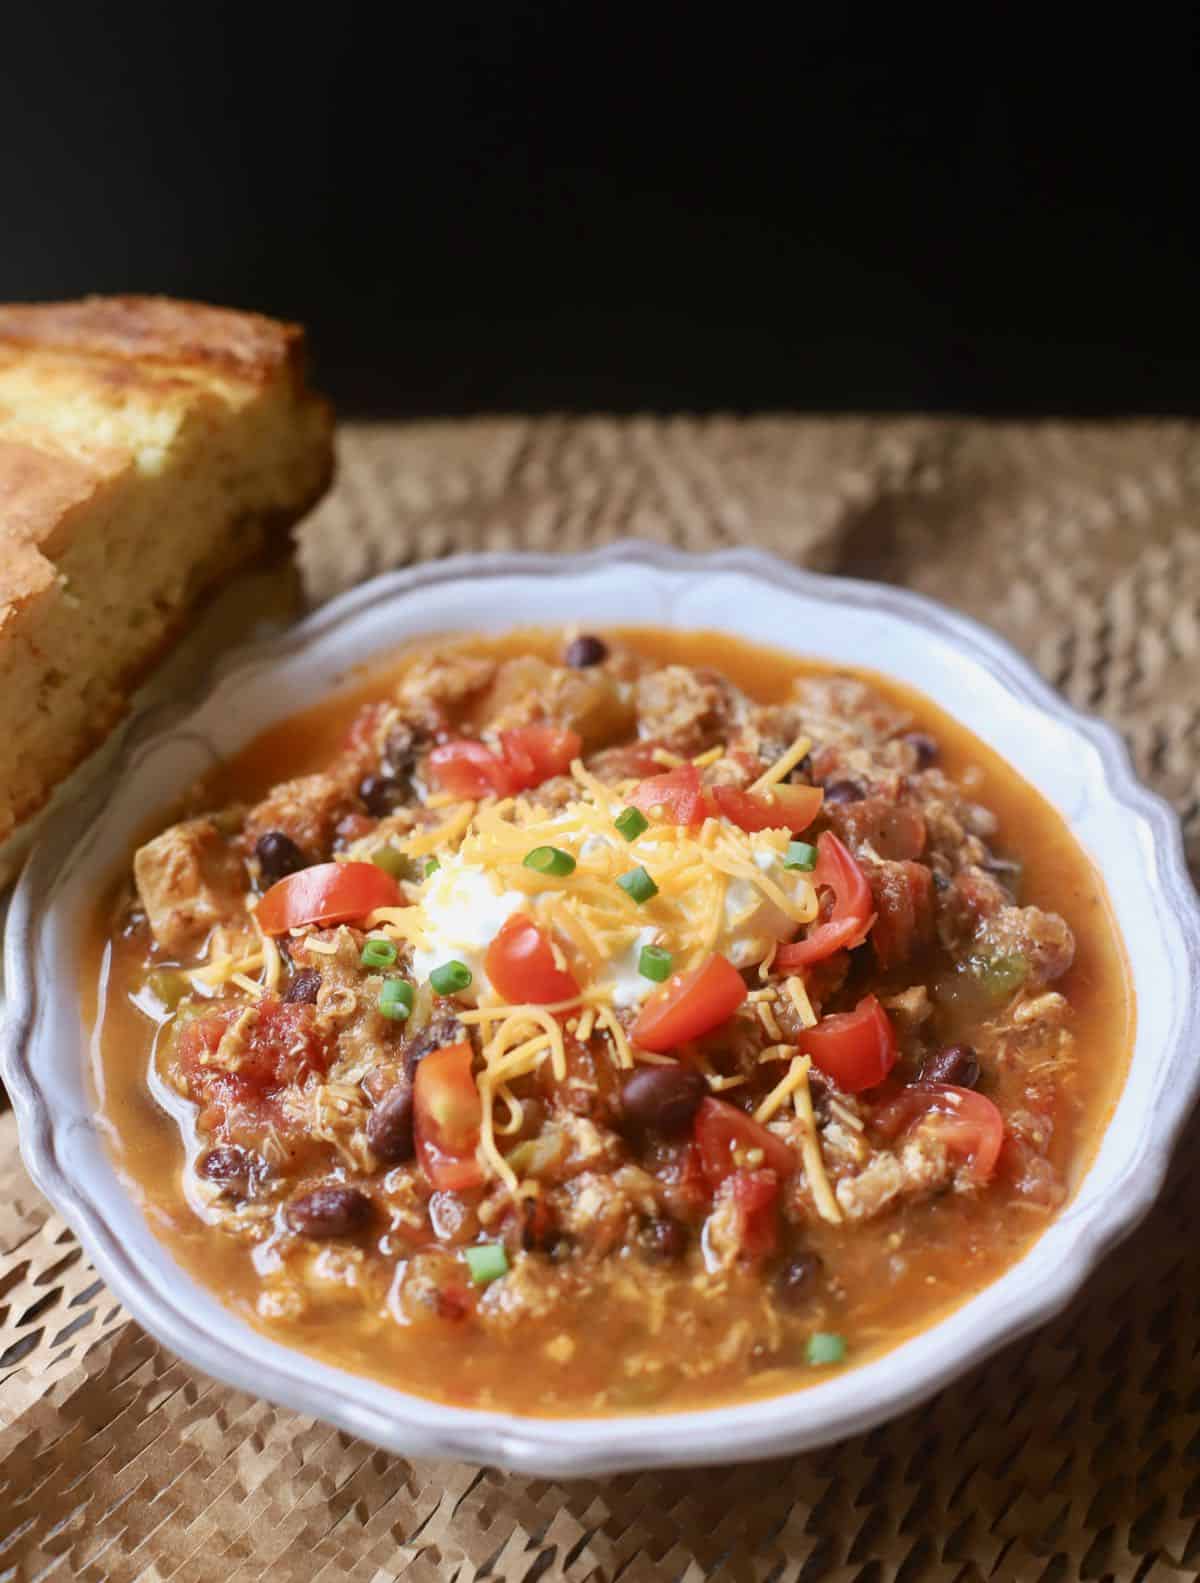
pixel 321 947
pixel 422 843
pixel 796 1074
pixel 716 887
pixel 798 994
pixel 226 969
pixel 810 1147
pixel 606 1020
pixel 783 765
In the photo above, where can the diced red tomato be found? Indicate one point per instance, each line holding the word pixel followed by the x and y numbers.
pixel 520 963
pixel 468 769
pixel 363 729
pixel 782 808
pixel 857 1049
pixel 729 1140
pixel 528 755
pixel 677 797
pixel 627 761
pixel 199 1040
pixel 969 1124
pixel 677 1165
pixel 1030 1173
pixel 537 752
pixel 454 1302
pixel 754 1195
pixel 894 831
pixel 689 1005
pixel 447 1116
pixel 281 1046
pixel 903 899
pixel 327 893
pixel 850 921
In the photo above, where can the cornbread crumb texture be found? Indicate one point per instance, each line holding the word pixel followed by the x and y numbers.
pixel 148 450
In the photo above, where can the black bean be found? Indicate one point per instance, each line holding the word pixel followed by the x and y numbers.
pixel 278 856
pixel 390 1126
pixel 662 1098
pixel 404 742
pixel 381 794
pixel 820 1091
pixel 440 1032
pixel 237 1170
pixel 957 1064
pixel 844 791
pixel 797 1281
pixel 924 746
pixel 664 1240
pixel 330 1211
pixel 303 989
pixel 586 650
pixel 227 1165
pixel 539 1230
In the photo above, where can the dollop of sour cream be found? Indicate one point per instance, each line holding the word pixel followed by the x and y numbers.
pixel 463 907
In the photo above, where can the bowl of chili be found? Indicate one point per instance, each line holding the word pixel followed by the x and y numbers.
pixel 1074 765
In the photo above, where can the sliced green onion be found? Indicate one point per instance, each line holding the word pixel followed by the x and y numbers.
pixel 631 822
pixel 396 999
pixel 655 963
pixel 393 862
pixel 550 860
pixel 378 953
pixel 487 1261
pixel 451 978
pixel 800 855
pixel 638 885
pixel 825 1347
pixel 431 866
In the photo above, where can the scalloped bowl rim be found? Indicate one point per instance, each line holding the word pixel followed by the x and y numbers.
pixel 44 1048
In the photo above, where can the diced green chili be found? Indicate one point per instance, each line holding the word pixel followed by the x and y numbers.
pixel 398 864
pixel 487 1261
pixel 825 1347
pixel 431 866
pixel 1000 976
pixel 169 986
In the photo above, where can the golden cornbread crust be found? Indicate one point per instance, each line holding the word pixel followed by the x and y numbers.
pixel 149 449
pixel 137 330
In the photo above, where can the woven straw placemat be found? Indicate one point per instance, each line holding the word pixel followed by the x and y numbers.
pixel 1073 1454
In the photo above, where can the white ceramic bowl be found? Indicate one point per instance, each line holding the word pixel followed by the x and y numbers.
pixel 1079 764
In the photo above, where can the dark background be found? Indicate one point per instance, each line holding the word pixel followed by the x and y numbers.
pixel 528 206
